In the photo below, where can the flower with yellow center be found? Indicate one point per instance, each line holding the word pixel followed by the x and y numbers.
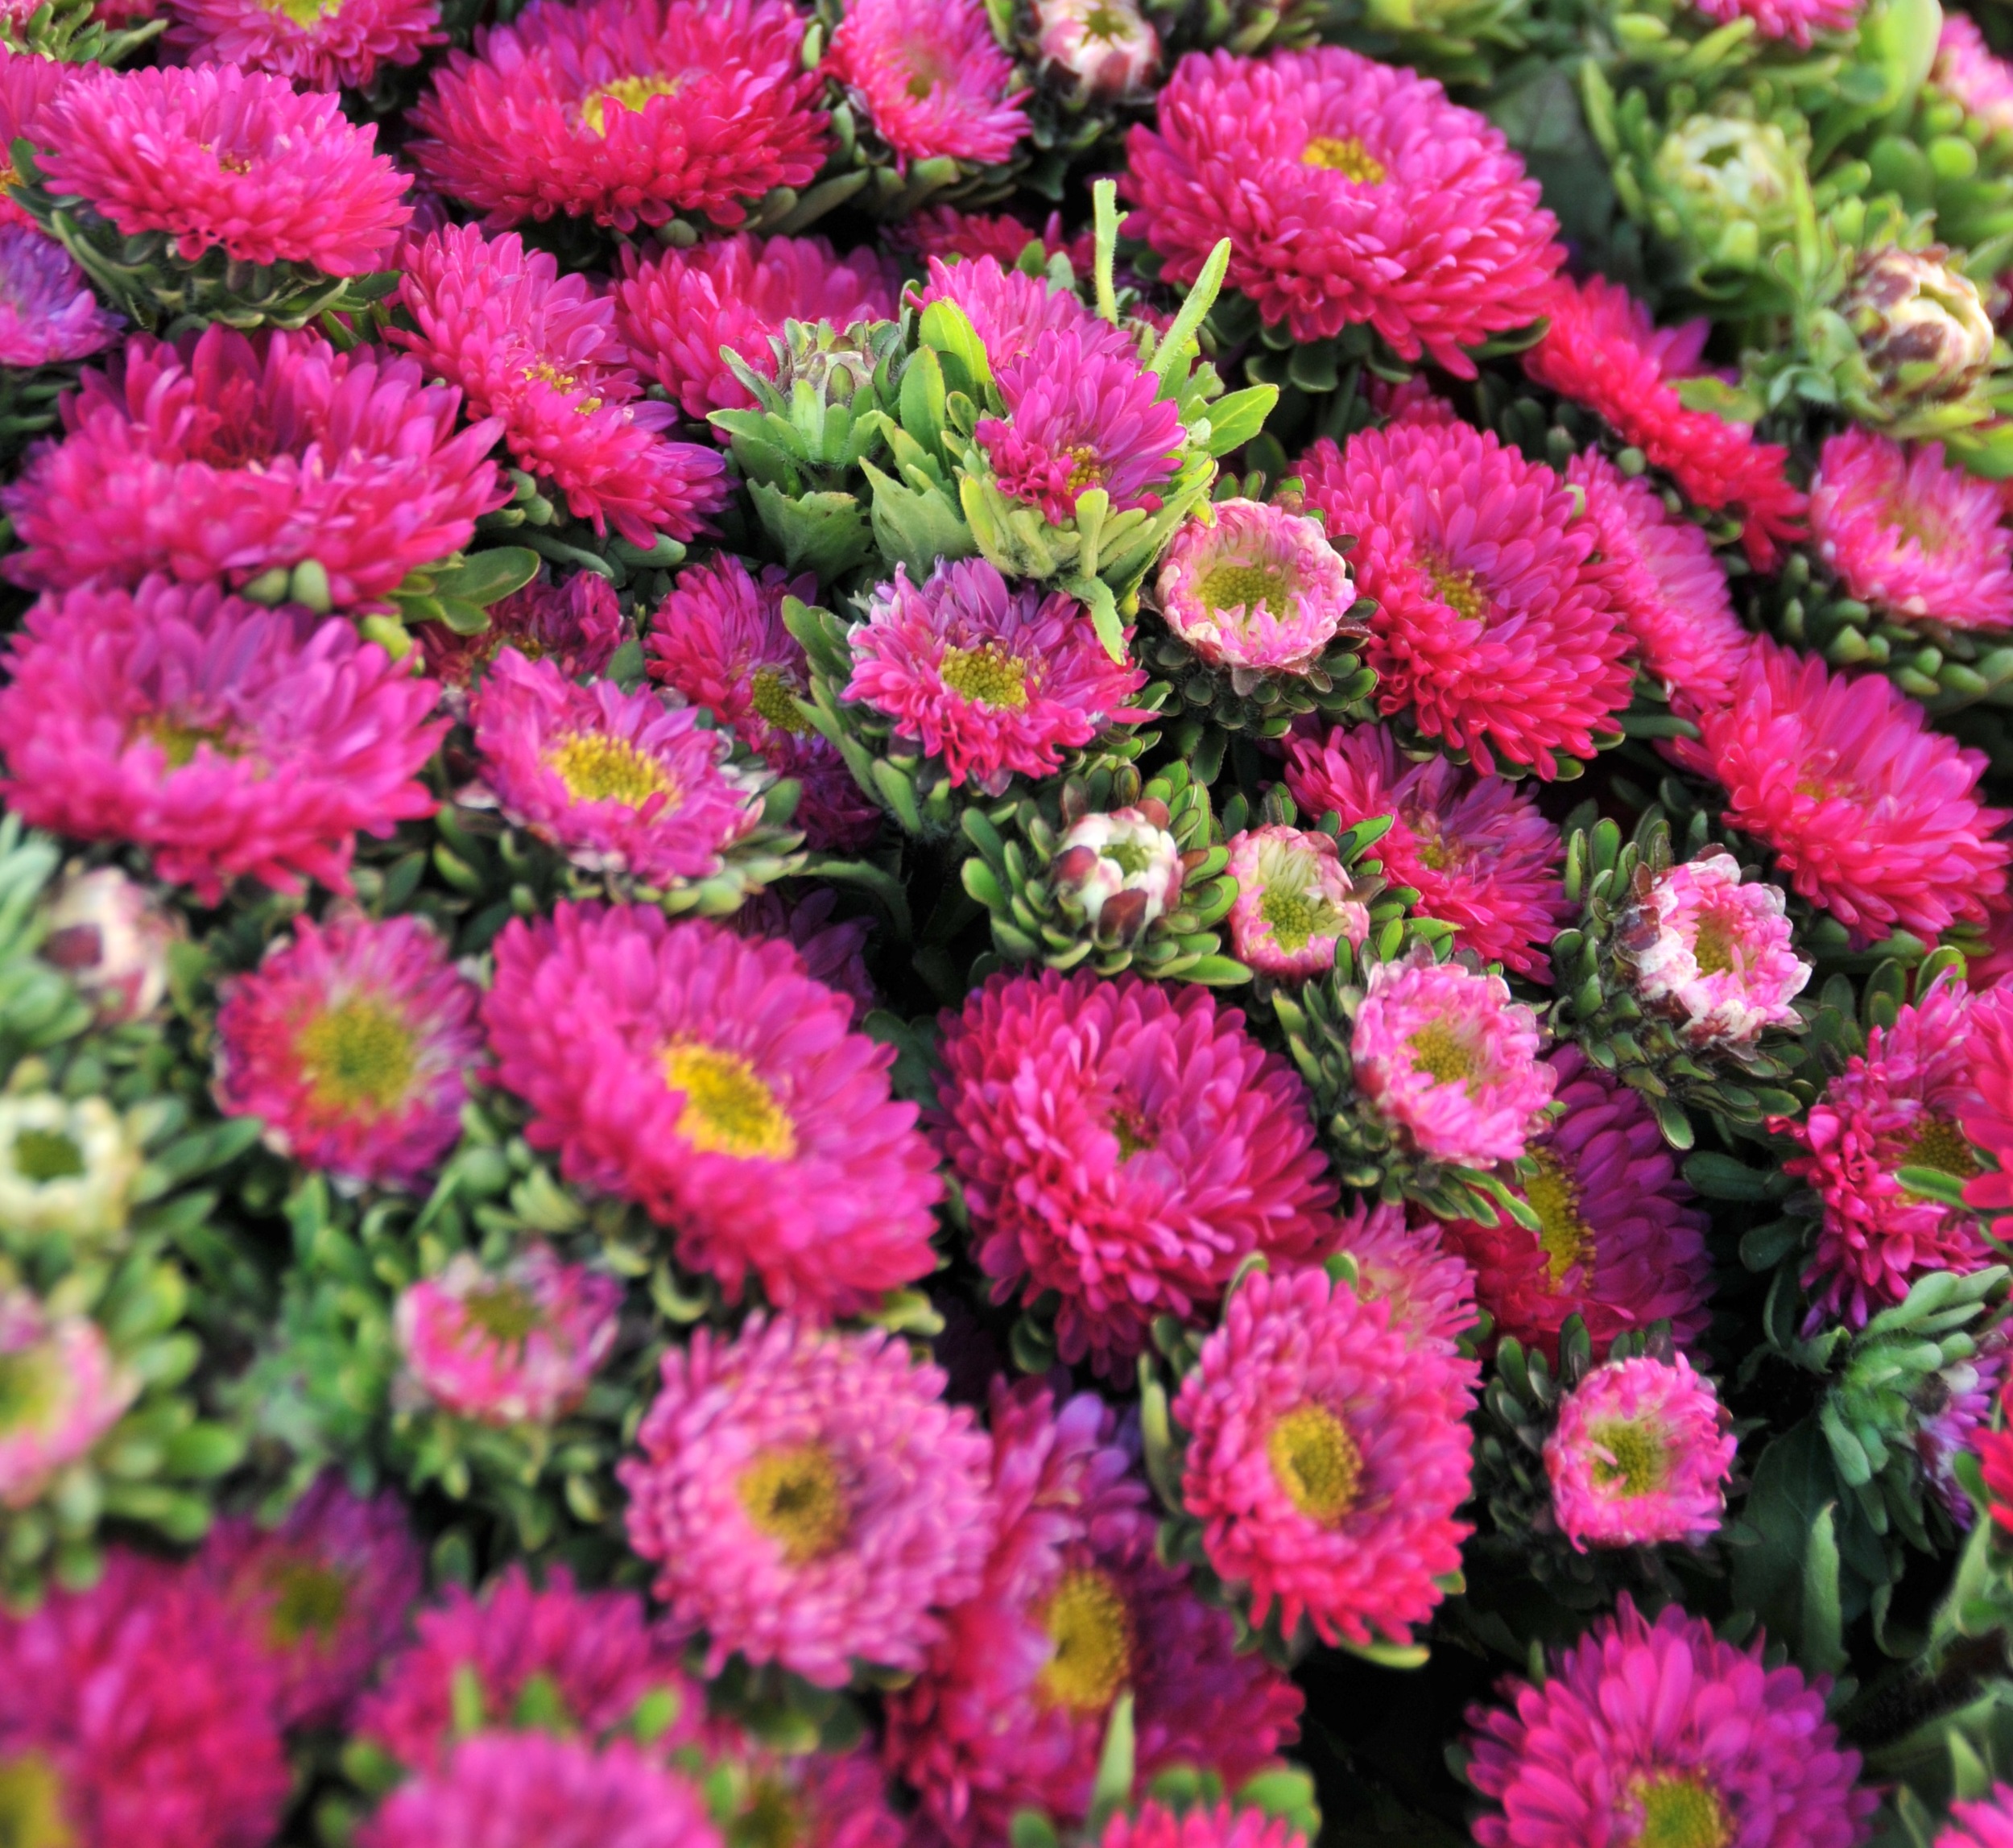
pixel 1345 154
pixel 987 676
pixel 596 766
pixel 1317 1462
pixel 359 1058
pixel 309 1600
pixel 730 1109
pixel 774 695
pixel 1457 590
pixel 794 1495
pixel 1443 1055
pixel 631 94
pixel 1091 1630
pixel 1681 1810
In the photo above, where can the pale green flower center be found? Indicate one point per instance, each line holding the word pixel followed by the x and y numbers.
pixel 32 1804
pixel 1681 1813
pixel 987 676
pixel 504 1313
pixel 1442 1054
pixel 309 1599
pixel 42 1156
pixel 1566 1238
pixel 774 699
pixel 1457 590
pixel 359 1055
pixel 1641 1454
pixel 1247 587
pixel 31 1388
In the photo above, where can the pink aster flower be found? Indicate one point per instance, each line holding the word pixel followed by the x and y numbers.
pixel 1898 1106
pixel 226 739
pixel 1910 533
pixel 1602 350
pixel 517 1346
pixel 1987 1823
pixel 219 456
pixel 1640 1454
pixel 1327 1454
pixel 1489 626
pixel 1987 1115
pixel 353 1042
pixel 135 1712
pixel 930 78
pixel 596 1654
pixel 28 85
pixel 1967 72
pixel 531 1790
pixel 1350 192
pixel 1450 1062
pixel 1075 1607
pixel 319 46
pixel 1414 1270
pixel 323 1595
pixel 710 1078
pixel 1212 1825
pixel 65 1389
pixel 631 110
pixel 48 312
pixel 1475 849
pixel 678 309
pixel 808 1498
pixel 1294 902
pixel 215 155
pixel 577 625
pixel 1795 20
pixel 1010 310
pixel 538 350
pixel 1126 1145
pixel 1253 588
pixel 945 231
pixel 1661 1732
pixel 1121 868
pixel 993 680
pixel 621 783
pixel 1659 574
pixel 1621 1241
pixel 719 639
pixel 1080 415
pixel 1870 814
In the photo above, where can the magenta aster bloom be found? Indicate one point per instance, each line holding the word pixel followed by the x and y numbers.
pixel 1327 1454
pixel 1714 955
pixel 531 1790
pixel 992 680
pixel 28 85
pixel 353 1042
pixel 710 1078
pixel 632 111
pixel 808 1498
pixel 930 78
pixel 1350 192
pixel 216 155
pixel 1988 1822
pixel 64 1391
pixel 1795 20
pixel 47 312
pixel 226 739
pixel 1253 587
pixel 1076 1606
pixel 1126 1145
pixel 518 1346
pixel 678 309
pixel 945 231
pixel 1295 903
pixel 1429 1289
pixel 135 1712
pixel 1450 1062
pixel 1621 1242
pixel 219 457
pixel 1080 415
pixel 538 350
pixel 1489 626
pixel 1910 533
pixel 817 1799
pixel 622 783
pixel 577 625
pixel 1967 73
pixel 595 1654
pixel 1010 311
pixel 1661 1732
pixel 323 1595
pixel 320 44
pixel 1899 1106
pixel 1641 1454
pixel 1871 814
pixel 1213 1825
pixel 1477 850
pixel 1660 575
pixel 1988 1115
pixel 719 639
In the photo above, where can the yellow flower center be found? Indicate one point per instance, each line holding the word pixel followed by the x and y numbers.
pixel 1940 1144
pixel 1457 590
pixel 987 676
pixel 1681 1812
pixel 506 1314
pixel 1642 1460
pixel 1345 154
pixel 774 696
pixel 597 768
pixel 1713 949
pixel 1247 587
pixel 32 1804
pixel 1107 25
pixel 304 12
pixel 729 1109
pixel 631 94
pixel 42 1156
pixel 310 1599
pixel 543 371
pixel 772 1817
pixel 1133 1132
pixel 1442 1053
pixel 1091 1629
pixel 1086 469
pixel 794 1495
pixel 358 1057
pixel 1317 1462
pixel 178 740
pixel 1554 1195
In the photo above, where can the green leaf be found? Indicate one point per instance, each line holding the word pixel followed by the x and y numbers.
pixel 946 326
pixel 486 577
pixel 1823 1652
pixel 1722 1177
pixel 1116 1764
pixel 1096 595
pixel 1237 417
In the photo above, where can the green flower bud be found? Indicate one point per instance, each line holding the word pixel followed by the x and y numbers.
pixel 65 1168
pixel 1922 327
pixel 1732 182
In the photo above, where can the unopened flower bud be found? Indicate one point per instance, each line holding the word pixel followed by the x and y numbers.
pixel 1107 46
pixel 67 1168
pixel 1122 870
pixel 108 935
pixel 1733 184
pixel 1922 326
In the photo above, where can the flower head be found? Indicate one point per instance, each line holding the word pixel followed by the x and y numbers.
pixel 577 625
pixel 1213 1825
pixel 516 1346
pixel 812 1799
pixel 227 739
pixel 1450 1062
pixel 1254 587
pixel 1659 1732
pixel 1107 50
pixel 1414 1270
pixel 354 1043
pixel 1870 813
pixel 808 1498
pixel 930 78
pixel 1967 72
pixel 111 936
pixel 1911 534
pixel 60 1391
pixel 945 231
pixel 1923 330
pixel 47 312
pixel 1351 191
pixel 1988 1114
pixel 215 155
pixel 1714 955
pixel 1987 1823
pixel 1640 1454
pixel 1009 310
pixel 1126 1145
pixel 709 1077
pixel 1488 626
pixel 322 44
pixel 1294 902
pixel 1951 1415
pixel 28 85
pixel 1477 850
pixel 991 680
pixel 67 1167
pixel 1795 20
pixel 1122 869
pixel 631 110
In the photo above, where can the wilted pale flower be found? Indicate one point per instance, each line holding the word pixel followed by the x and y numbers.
pixel 1294 902
pixel 1107 46
pixel 1714 953
pixel 1922 326
pixel 66 1168
pixel 108 935
pixel 1734 181
pixel 1124 864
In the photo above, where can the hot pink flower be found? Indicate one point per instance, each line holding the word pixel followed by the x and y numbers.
pixel 930 78
pixel 320 45
pixel 28 85
pixel 1966 71
pixel 227 739
pixel 945 231
pixel 1988 1822
pixel 216 155
pixel 1714 955
pixel 47 312
pixel 1010 311
pixel 65 1389
pixel 577 625
pixel 632 111
pixel 1795 20
pixel 1253 588
pixel 1294 902
pixel 1213 1825
pixel 1987 1117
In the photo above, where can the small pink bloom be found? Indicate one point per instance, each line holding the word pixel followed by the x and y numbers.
pixel 1987 1823
pixel 47 312
pixel 320 44
pixel 65 1389
pixel 1295 903
pixel 931 79
pixel 1107 49
pixel 577 625
pixel 1795 20
pixel 1253 588
pixel 1967 72
pixel 1714 954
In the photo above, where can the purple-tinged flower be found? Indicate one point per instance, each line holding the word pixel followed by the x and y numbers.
pixel 320 44
pixel 1714 954
pixel 1294 902
pixel 1123 870
pixel 1253 588
pixel 930 78
pixel 830 951
pixel 47 312
pixel 577 625
pixel 111 936
pixel 63 1390
pixel 1953 1412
